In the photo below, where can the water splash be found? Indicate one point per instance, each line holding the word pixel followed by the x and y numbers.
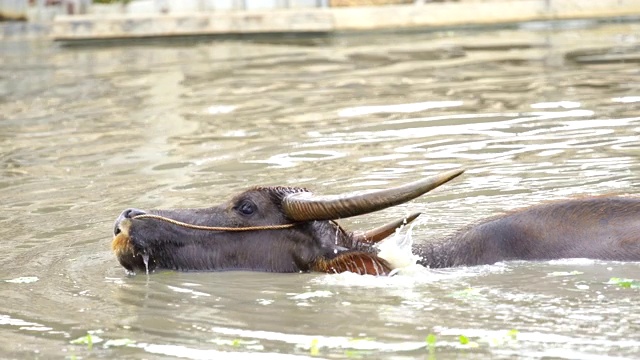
pixel 145 259
pixel 398 251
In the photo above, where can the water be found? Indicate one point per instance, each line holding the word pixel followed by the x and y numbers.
pixel 534 113
pixel 145 260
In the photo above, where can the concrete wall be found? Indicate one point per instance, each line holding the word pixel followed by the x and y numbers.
pixel 172 22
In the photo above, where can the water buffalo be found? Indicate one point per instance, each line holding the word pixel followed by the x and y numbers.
pixel 289 229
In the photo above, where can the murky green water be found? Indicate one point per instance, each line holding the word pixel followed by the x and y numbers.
pixel 534 114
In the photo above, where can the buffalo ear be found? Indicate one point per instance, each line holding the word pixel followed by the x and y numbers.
pixel 378 234
pixel 354 261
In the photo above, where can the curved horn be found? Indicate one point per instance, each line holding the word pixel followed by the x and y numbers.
pixel 378 234
pixel 305 206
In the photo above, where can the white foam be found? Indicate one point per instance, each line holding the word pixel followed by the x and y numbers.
pixel 398 251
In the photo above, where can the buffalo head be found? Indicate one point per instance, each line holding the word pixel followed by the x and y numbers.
pixel 273 229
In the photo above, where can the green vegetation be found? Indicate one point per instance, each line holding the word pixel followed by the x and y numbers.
pixel 431 346
pixel 506 338
pixel 358 354
pixel 431 341
pixel 313 349
pixel 91 338
pixel 88 340
pixel 624 283
pixel 466 342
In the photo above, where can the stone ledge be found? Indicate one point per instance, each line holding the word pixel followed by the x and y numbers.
pixel 137 26
pixel 325 20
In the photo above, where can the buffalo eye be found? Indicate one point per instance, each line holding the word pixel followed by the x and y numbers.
pixel 246 207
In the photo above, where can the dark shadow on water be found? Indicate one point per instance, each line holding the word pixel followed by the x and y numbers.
pixel 310 39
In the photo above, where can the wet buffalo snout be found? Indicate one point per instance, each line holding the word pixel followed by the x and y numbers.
pixel 127 214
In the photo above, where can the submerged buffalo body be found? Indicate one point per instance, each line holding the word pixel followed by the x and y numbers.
pixel 287 229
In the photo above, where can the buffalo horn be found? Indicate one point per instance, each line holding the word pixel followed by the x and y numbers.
pixel 378 234
pixel 306 206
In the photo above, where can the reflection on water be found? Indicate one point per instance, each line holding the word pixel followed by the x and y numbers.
pixel 533 114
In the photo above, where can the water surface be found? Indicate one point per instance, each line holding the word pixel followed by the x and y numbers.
pixel 534 113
